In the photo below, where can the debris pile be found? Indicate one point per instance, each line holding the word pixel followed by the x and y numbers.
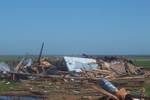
pixel 27 66
pixel 102 68
pixel 84 67
pixel 78 72
pixel 120 66
pixel 82 71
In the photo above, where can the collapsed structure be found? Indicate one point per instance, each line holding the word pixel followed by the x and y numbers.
pixel 83 68
pixel 80 68
pixel 87 72
pixel 95 71
pixel 89 67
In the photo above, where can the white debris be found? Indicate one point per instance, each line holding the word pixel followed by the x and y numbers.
pixel 4 67
pixel 77 63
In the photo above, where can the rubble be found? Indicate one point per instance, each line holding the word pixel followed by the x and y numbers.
pixel 114 68
pixel 81 71
pixel 83 67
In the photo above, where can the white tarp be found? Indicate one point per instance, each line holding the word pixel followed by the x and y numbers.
pixel 77 63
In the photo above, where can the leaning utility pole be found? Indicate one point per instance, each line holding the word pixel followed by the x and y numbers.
pixel 39 57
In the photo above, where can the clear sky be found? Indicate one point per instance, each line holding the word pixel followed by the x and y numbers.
pixel 75 26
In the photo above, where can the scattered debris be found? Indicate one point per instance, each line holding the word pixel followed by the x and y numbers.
pixel 79 72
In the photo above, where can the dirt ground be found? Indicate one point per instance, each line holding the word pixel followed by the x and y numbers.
pixel 56 89
pixel 53 89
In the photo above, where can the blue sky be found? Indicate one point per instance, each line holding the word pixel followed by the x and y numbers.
pixel 75 26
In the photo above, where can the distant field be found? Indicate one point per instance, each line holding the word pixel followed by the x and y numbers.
pixel 13 58
pixel 143 62
pixel 9 58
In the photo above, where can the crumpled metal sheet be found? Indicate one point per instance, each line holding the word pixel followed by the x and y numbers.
pixel 77 63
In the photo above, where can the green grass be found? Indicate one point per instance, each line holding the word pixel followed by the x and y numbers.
pixel 4 87
pixel 147 88
pixel 143 63
pixel 9 58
